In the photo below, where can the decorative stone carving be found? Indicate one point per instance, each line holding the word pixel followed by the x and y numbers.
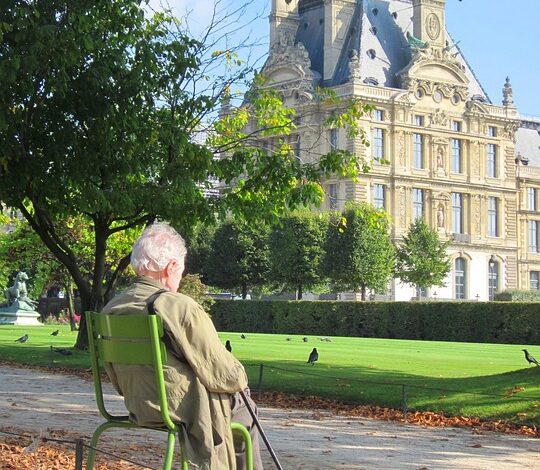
pixel 354 65
pixel 430 87
pixel 476 213
pixel 509 131
pixel 285 54
pixel 438 118
pixel 476 153
pixel 433 26
pixel 20 308
pixel 402 208
pixel 401 146
pixel 508 94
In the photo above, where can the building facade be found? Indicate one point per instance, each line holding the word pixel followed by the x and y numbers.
pixel 440 149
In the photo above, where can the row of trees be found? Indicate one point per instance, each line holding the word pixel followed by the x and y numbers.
pixel 352 251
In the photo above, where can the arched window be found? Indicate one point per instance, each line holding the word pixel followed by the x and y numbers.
pixel 493 277
pixel 460 278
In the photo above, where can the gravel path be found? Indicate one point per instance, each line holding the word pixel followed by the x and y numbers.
pixel 35 401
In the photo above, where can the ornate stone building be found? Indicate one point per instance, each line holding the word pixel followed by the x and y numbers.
pixel 440 148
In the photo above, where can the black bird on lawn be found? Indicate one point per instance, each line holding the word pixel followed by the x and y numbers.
pixel 228 346
pixel 55 333
pixel 529 358
pixel 313 356
pixel 64 352
pixel 22 339
pixel 305 339
pixel 243 336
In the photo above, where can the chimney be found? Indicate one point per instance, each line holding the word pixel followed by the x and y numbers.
pixel 284 20
pixel 429 22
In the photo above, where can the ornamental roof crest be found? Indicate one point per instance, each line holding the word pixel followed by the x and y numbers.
pixel 286 53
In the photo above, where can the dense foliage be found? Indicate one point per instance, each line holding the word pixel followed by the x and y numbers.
pixel 482 322
pixel 515 295
pixel 239 257
pixel 359 253
pixel 296 252
pixel 100 104
pixel 421 259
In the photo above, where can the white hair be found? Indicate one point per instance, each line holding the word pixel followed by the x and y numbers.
pixel 156 247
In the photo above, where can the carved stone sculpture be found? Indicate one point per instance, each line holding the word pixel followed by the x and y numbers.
pixel 21 310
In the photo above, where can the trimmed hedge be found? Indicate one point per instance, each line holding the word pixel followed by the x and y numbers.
pixel 479 322
pixel 514 295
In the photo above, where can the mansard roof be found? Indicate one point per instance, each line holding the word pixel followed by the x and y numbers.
pixel 528 141
pixel 377 34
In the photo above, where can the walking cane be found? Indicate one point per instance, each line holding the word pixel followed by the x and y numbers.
pixel 261 432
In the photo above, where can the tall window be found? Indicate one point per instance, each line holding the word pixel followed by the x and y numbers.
pixel 493 229
pixel 534 280
pixel 493 279
pixel 492 160
pixel 460 274
pixel 531 199
pixel 456 126
pixel 379 115
pixel 533 236
pixel 379 196
pixel 333 196
pixel 418 151
pixel 456 156
pixel 492 131
pixel 418 203
pixel 333 139
pixel 457 213
pixel 378 143
pixel 418 120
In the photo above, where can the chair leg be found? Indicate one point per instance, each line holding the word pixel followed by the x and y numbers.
pixel 95 439
pixel 244 433
pixel 171 440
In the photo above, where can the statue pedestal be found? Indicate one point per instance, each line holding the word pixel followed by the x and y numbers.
pixel 14 316
pixel 20 317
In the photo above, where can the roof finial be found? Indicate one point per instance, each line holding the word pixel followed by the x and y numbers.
pixel 508 94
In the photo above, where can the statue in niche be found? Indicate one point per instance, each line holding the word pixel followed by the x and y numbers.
pixel 440 216
pixel 440 158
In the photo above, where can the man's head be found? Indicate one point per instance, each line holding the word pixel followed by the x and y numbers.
pixel 159 253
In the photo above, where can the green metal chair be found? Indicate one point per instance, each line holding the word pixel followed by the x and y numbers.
pixel 137 339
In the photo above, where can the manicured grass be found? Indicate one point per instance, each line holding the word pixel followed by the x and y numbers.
pixel 492 381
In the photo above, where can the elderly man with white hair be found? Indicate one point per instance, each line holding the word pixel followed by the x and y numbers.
pixel 202 378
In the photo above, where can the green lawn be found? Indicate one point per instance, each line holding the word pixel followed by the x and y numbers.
pixel 486 380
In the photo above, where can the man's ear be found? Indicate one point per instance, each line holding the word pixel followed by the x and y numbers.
pixel 171 267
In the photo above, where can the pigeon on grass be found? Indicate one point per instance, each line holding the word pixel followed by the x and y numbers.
pixel 22 339
pixel 313 356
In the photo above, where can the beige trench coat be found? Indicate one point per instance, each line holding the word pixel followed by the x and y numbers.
pixel 199 375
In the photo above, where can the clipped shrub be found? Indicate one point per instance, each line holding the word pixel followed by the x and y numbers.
pixel 514 295
pixel 483 322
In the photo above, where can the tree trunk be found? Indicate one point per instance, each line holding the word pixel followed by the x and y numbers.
pixel 363 292
pixel 88 304
pixel 68 286
pixel 244 290
pixel 299 292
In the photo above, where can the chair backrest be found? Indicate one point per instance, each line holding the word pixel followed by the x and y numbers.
pixel 127 339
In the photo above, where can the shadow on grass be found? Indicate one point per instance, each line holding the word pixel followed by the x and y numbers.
pixel 513 396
